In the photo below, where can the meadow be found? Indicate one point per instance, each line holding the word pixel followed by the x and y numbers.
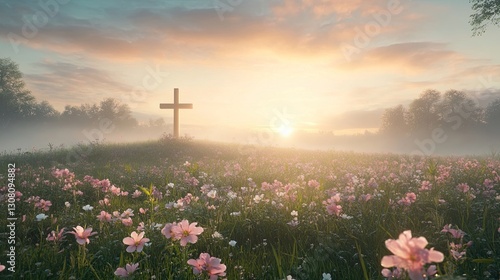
pixel 184 209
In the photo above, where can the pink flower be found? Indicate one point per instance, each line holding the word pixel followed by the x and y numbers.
pixel 114 190
pixel 313 184
pixel 168 230
pixel 331 205
pixel 456 233
pixel 397 273
pixel 104 216
pixel 82 235
pixel 334 209
pixel 127 213
pixel 140 227
pixel 104 202
pixel 125 272
pixel 410 254
pixel 136 194
pixel 208 264
pixel 187 232
pixel 408 200
pixel 53 236
pixel 2 267
pixel 425 186
pixel 463 187
pixel 431 271
pixel 135 242
pixel 457 255
pixel 127 222
pixel 43 204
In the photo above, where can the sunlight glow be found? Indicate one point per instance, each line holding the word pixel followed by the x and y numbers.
pixel 285 130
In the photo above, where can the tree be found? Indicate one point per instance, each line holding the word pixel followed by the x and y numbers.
pixel 119 114
pixel 159 122
pixel 423 112
pixel 484 11
pixel 44 110
pixel 458 110
pixel 16 102
pixel 492 115
pixel 393 122
pixel 109 109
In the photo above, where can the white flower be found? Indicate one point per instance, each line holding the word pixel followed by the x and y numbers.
pixel 327 276
pixel 67 204
pixel 235 213
pixel 258 198
pixel 128 213
pixel 170 185
pixel 212 193
pixel 40 217
pixel 170 205
pixel 156 226
pixel 344 216
pixel 217 235
pixel 232 195
pixel 294 213
pixel 294 222
pixel 232 243
pixel 87 207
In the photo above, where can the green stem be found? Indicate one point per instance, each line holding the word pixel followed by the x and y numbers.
pixel 362 261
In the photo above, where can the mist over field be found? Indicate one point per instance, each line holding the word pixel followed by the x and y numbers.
pixel 44 137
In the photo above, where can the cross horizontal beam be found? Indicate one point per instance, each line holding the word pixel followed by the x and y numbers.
pixel 176 106
pixel 173 106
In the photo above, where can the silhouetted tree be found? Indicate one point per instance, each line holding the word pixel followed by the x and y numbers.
pixel 492 115
pixel 460 111
pixel 423 112
pixel 485 11
pixel 83 114
pixel 45 111
pixel 159 122
pixel 119 114
pixel 109 109
pixel 393 121
pixel 16 102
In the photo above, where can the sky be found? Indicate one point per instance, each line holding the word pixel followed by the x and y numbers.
pixel 286 66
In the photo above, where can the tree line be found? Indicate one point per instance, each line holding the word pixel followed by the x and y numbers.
pixel 454 111
pixel 18 105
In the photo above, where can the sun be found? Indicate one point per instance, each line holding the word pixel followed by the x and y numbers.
pixel 285 130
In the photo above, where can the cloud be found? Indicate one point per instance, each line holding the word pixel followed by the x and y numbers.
pixel 67 83
pixel 157 31
pixel 410 57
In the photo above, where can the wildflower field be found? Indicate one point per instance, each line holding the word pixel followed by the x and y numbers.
pixel 182 209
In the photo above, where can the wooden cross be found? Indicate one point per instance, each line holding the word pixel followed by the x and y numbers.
pixel 176 106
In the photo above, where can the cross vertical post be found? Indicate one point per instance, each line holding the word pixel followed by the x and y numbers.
pixel 176 106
